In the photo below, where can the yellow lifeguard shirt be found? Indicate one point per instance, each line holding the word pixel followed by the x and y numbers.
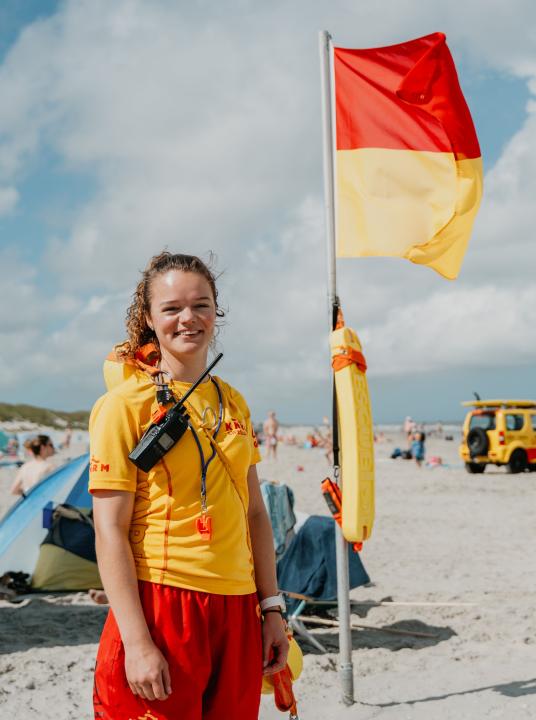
pixel 166 544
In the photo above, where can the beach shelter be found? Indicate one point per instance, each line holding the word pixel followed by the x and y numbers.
pixel 4 439
pixel 30 522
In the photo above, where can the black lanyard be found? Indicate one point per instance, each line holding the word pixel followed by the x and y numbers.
pixel 205 464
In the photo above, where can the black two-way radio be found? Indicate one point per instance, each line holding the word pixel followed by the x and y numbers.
pixel 160 437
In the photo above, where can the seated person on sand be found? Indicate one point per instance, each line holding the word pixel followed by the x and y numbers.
pixel 41 449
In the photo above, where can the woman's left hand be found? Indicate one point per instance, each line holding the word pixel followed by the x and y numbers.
pixel 274 643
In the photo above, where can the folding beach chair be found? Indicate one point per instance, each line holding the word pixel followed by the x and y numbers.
pixel 306 573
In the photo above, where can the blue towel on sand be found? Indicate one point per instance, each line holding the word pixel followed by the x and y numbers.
pixel 309 565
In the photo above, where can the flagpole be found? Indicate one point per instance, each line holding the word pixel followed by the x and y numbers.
pixel 346 673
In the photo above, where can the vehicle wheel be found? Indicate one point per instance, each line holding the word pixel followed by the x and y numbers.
pixel 518 461
pixel 477 442
pixel 475 468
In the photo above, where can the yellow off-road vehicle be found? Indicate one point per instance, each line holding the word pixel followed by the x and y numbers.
pixel 499 432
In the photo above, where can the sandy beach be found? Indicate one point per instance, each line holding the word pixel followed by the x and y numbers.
pixel 450 556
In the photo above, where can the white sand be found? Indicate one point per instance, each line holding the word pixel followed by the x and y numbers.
pixel 441 536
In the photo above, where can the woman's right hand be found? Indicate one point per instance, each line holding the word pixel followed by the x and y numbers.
pixel 147 671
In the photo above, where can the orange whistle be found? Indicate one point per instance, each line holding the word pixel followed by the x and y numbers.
pixel 204 526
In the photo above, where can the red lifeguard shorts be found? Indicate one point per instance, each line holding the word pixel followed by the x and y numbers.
pixel 213 644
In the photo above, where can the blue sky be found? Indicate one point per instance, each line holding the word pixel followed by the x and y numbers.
pixel 498 106
pixel 16 14
pixel 100 137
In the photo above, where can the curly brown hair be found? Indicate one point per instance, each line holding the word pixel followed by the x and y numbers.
pixel 138 331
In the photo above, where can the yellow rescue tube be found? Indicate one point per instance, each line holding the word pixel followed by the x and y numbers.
pixel 116 372
pixel 356 436
pixel 294 662
pixel 118 367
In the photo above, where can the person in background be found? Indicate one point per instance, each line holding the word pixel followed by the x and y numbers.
pixel 41 449
pixel 270 428
pixel 417 446
pixel 326 439
pixel 409 429
pixel 66 443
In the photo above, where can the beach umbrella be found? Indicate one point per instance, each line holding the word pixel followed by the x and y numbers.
pixel 22 529
pixel 402 178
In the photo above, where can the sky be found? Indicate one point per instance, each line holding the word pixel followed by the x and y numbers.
pixel 132 126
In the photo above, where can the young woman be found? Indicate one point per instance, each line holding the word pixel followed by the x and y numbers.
pixel 41 448
pixel 185 551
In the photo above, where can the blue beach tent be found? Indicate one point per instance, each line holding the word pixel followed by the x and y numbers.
pixel 4 439
pixel 23 531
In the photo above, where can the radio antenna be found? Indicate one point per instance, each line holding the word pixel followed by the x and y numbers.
pixel 202 377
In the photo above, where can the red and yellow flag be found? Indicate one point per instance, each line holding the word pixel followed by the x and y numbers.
pixel 408 164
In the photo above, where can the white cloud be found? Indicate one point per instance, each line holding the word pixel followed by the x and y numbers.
pixel 201 130
pixel 8 200
pixel 19 293
pixel 61 367
pixel 478 327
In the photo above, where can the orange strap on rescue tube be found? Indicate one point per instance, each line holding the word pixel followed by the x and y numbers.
pixel 148 354
pixel 146 358
pixel 349 356
pixel 283 692
pixel 333 497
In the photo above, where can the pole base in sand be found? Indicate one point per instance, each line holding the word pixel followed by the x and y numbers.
pixel 346 675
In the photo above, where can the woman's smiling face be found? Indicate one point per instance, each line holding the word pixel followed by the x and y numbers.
pixel 182 313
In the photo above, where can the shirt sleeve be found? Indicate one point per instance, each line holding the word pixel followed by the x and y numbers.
pixel 113 433
pixel 255 452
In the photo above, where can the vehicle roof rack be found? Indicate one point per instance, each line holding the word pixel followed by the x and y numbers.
pixel 500 403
